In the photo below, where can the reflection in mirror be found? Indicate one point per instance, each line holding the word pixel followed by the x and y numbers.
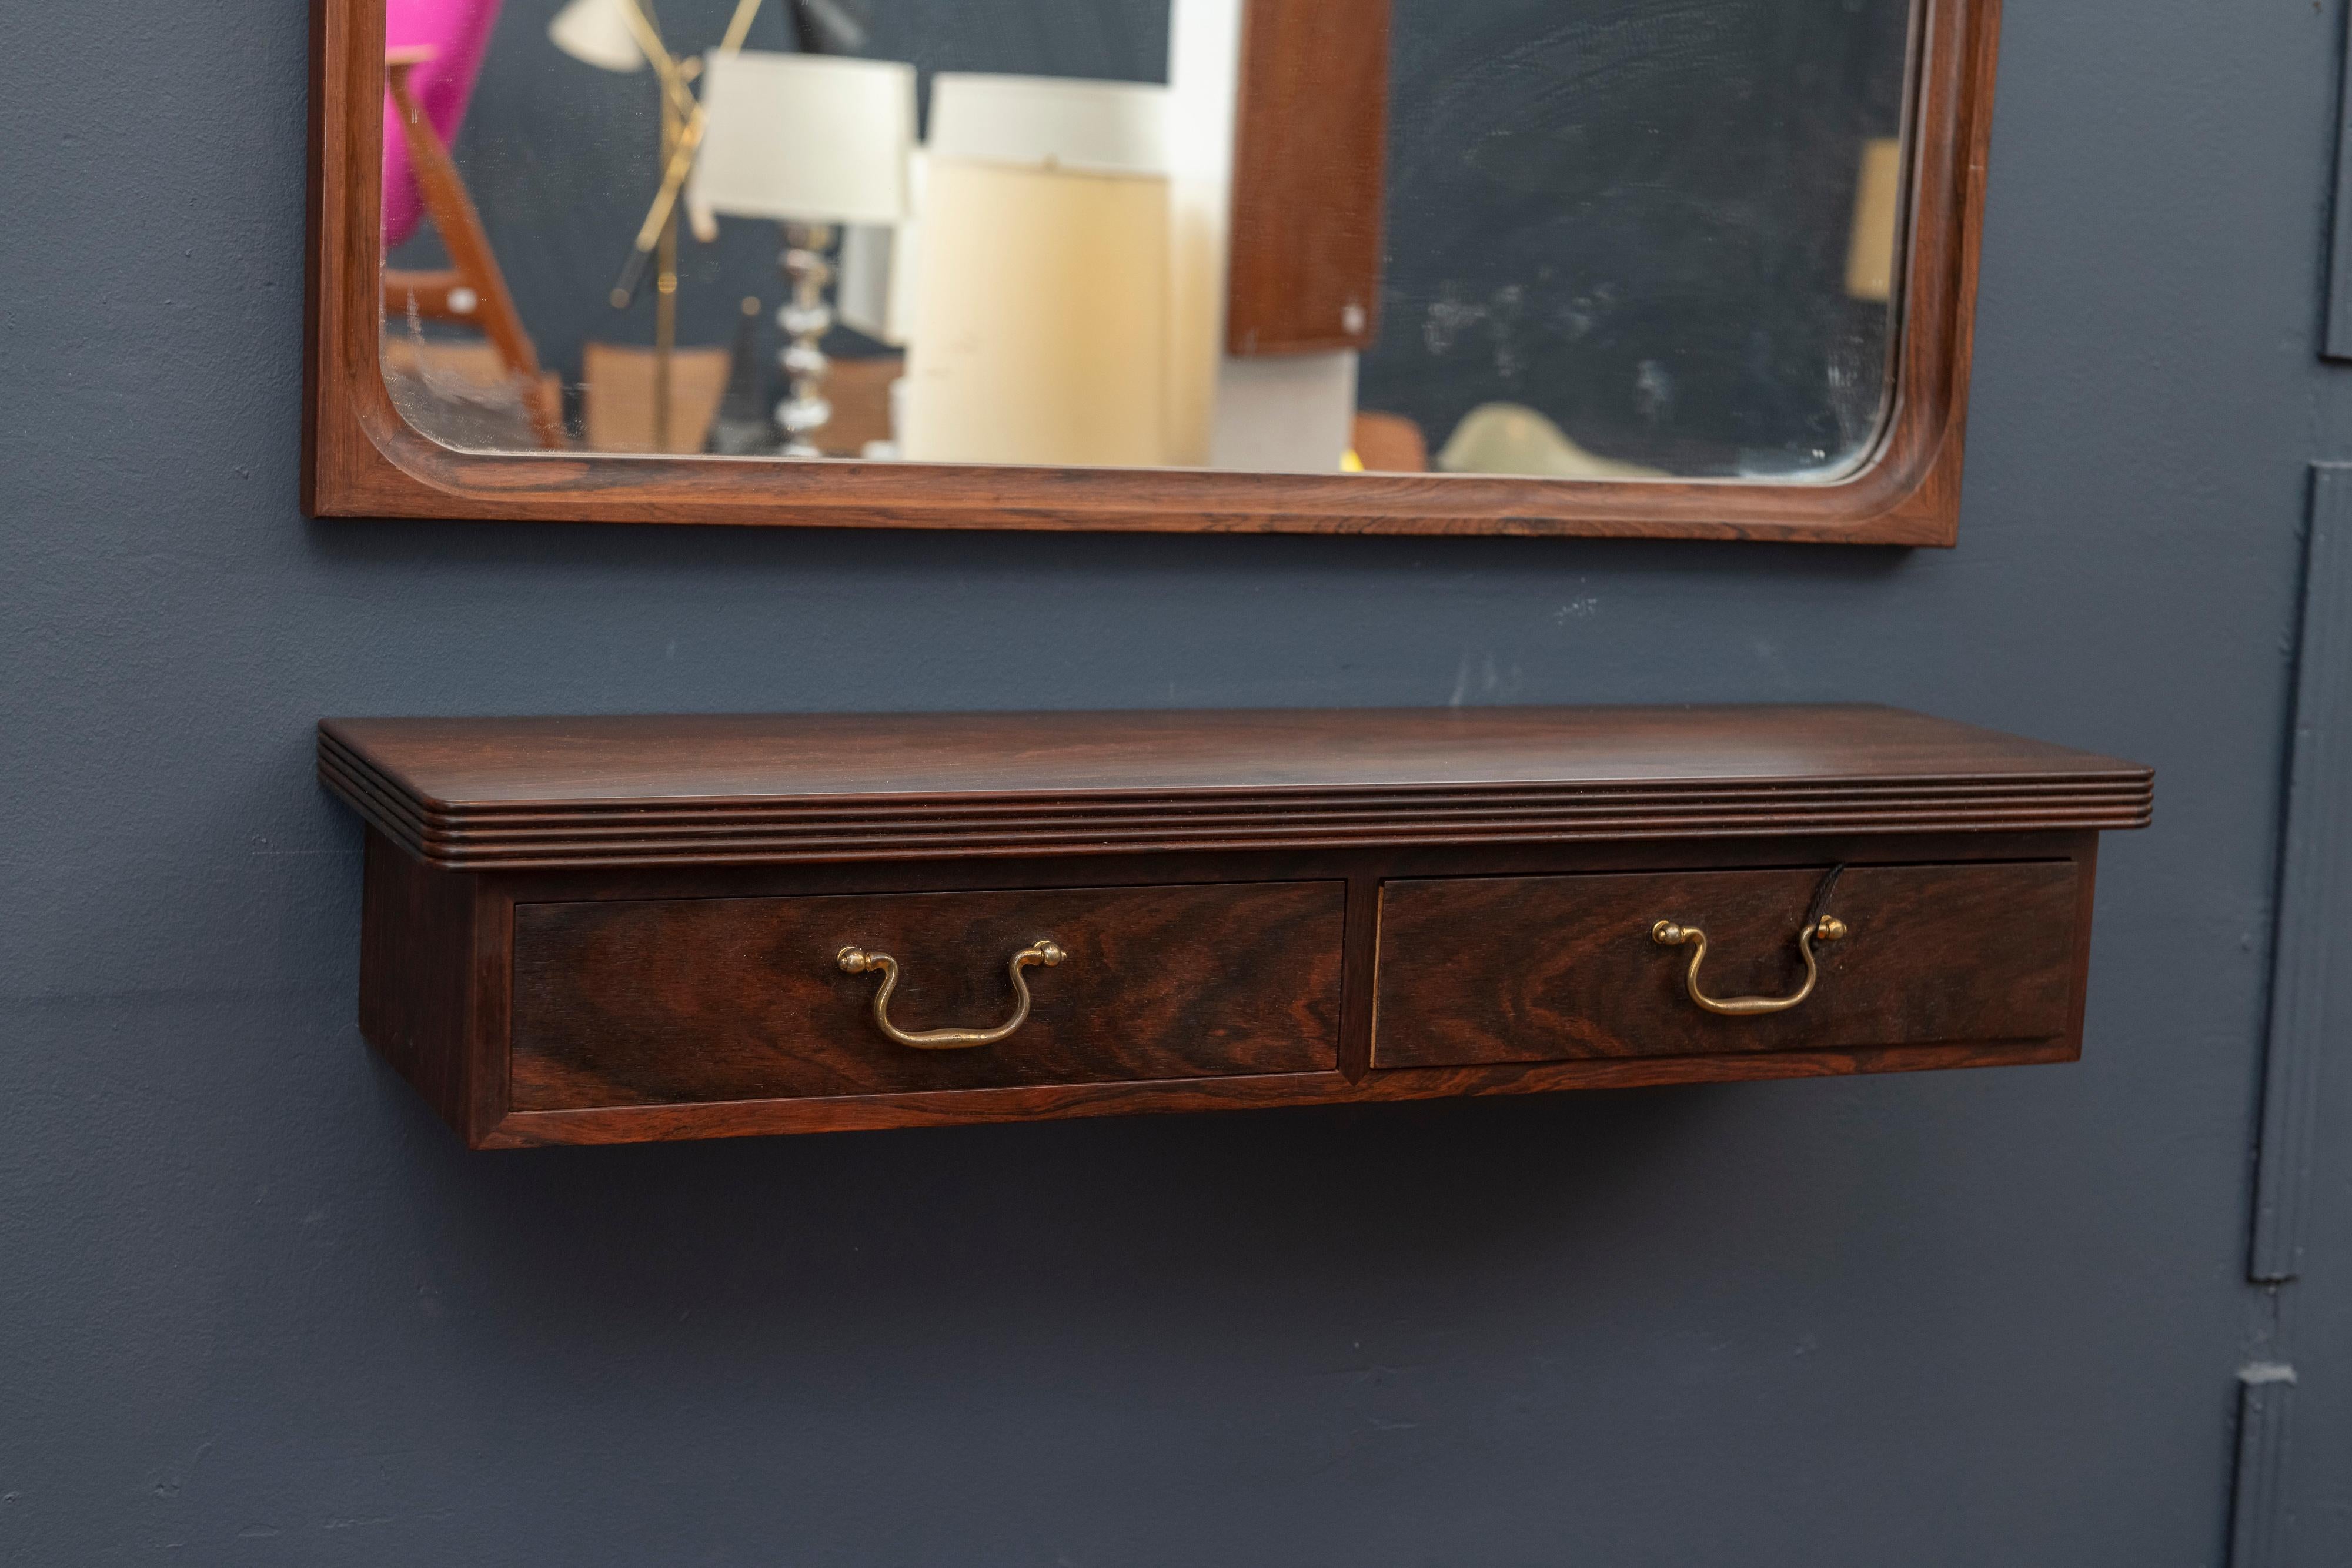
pixel 1565 238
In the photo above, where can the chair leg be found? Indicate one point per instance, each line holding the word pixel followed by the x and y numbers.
pixel 472 258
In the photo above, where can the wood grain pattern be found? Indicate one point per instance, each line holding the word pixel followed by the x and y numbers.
pixel 416 977
pixel 516 793
pixel 1362 869
pixel 651 1002
pixel 440 944
pixel 362 460
pixel 697 996
pixel 1559 969
pixel 1310 177
pixel 760 1118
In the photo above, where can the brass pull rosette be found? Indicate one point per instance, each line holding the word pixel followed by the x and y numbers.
pixel 1817 928
pixel 857 961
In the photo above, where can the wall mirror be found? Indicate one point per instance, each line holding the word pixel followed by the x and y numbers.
pixel 1701 267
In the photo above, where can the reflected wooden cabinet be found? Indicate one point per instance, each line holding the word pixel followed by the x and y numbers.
pixel 616 930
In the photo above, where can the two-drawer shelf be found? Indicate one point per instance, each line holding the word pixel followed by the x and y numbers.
pixel 607 930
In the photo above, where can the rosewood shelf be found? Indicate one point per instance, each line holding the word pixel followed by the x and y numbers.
pixel 594 930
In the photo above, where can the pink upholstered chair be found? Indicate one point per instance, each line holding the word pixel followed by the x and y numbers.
pixel 458 32
pixel 432 53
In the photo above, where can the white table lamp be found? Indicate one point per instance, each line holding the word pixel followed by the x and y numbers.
pixel 811 142
pixel 1042 294
pixel 1103 126
pixel 877 268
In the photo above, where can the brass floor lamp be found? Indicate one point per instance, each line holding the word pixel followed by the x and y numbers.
pixel 626 35
pixel 623 35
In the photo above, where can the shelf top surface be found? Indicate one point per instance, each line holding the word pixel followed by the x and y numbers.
pixel 465 765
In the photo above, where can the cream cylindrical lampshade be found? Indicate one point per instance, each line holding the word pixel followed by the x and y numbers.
pixel 1041 320
pixel 1041 331
pixel 1106 127
pixel 805 138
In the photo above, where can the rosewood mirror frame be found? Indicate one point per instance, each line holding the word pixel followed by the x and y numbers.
pixel 362 459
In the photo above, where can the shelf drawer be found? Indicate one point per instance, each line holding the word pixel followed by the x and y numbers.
pixel 1561 969
pixel 703 1000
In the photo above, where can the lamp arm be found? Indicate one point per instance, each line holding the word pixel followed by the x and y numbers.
pixel 681 162
pixel 650 44
pixel 739 26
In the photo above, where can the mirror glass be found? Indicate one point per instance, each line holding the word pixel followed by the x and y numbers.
pixel 1630 239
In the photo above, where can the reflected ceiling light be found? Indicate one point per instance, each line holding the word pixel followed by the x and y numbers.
pixel 597 33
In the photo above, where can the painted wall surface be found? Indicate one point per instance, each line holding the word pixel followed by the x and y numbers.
pixel 257 1307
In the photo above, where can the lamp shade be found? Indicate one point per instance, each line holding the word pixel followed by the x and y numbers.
pixel 597 33
pixel 1042 298
pixel 1101 127
pixel 805 138
pixel 876 291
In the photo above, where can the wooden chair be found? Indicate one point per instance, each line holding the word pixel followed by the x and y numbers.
pixel 473 292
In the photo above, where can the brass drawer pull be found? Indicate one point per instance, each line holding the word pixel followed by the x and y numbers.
pixel 856 961
pixel 1817 928
pixel 1666 933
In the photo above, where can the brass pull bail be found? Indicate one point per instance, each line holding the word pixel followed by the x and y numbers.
pixel 1817 928
pixel 857 961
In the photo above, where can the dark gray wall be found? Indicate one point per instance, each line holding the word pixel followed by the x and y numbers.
pixel 255 1307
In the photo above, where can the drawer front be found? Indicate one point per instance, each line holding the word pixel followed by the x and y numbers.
pixel 688 1001
pixel 1567 968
